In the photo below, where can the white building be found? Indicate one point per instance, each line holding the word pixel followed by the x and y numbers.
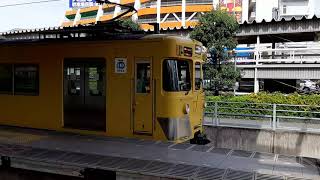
pixel 298 8
pixel 268 9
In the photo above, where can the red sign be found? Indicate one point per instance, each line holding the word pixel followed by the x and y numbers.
pixel 233 7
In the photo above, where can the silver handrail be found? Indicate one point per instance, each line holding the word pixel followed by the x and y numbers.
pixel 262 116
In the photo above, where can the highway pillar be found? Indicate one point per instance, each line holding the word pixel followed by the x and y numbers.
pixel 256 81
pixel 257 58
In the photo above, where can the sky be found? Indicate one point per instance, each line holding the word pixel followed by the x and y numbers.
pixel 32 15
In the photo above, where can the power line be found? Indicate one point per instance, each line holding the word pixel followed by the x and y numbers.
pixel 33 2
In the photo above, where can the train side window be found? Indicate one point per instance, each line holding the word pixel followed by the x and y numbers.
pixel 26 79
pixel 6 79
pixel 176 75
pixel 198 79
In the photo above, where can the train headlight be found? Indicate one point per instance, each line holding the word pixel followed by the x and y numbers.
pixel 187 109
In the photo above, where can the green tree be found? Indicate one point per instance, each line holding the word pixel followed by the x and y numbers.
pixel 216 30
pixel 221 79
pixel 128 23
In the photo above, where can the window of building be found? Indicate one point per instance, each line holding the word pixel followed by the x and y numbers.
pixel 26 79
pixel 198 79
pixel 284 9
pixel 6 79
pixel 176 75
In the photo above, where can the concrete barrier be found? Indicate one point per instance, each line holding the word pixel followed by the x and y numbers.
pixel 279 142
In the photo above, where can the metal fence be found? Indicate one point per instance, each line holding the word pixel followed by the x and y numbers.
pixel 303 118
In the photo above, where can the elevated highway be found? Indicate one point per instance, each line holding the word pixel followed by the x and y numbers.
pixel 293 63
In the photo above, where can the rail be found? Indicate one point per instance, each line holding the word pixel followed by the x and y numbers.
pixel 304 118
pixel 276 56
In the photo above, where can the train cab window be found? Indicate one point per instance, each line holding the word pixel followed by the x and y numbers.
pixel 143 76
pixel 6 79
pixel 176 75
pixel 198 79
pixel 26 79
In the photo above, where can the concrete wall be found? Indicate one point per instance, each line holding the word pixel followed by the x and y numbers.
pixel 279 142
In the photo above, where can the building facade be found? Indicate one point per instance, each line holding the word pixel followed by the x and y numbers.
pixel 258 10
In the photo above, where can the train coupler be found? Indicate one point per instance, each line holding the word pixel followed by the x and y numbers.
pixel 199 138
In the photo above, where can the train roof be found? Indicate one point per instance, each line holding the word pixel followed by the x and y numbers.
pixel 105 32
pixel 89 39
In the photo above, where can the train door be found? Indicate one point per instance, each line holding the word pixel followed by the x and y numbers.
pixel 84 95
pixel 143 97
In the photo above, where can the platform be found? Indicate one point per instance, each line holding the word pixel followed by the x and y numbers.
pixel 69 154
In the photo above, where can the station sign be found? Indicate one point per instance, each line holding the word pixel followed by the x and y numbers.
pixel 120 65
pixel 81 3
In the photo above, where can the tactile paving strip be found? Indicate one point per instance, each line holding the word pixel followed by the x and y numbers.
pixel 31 153
pixel 10 150
pixel 200 148
pixel 181 146
pixel 112 162
pixel 241 153
pixel 294 178
pixel 207 173
pixel 146 142
pixel 134 165
pixel 220 151
pixel 260 155
pixel 290 159
pixel 182 170
pixel 71 158
pixel 164 144
pixel 157 167
pixel 89 160
pixel 268 177
pixel 51 155
pixel 238 175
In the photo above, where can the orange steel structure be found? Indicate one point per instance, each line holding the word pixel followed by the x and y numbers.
pixel 170 14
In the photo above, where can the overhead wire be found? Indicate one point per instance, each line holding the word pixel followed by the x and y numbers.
pixel 27 3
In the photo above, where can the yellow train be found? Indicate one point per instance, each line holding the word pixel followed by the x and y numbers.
pixel 142 86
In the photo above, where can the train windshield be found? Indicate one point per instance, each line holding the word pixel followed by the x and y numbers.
pixel 176 75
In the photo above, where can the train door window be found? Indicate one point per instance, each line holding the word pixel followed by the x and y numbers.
pixel 176 75
pixel 6 79
pixel 26 79
pixel 73 77
pixel 198 79
pixel 94 83
pixel 143 78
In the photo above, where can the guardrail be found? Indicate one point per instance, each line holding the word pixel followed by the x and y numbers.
pixel 276 56
pixel 302 118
